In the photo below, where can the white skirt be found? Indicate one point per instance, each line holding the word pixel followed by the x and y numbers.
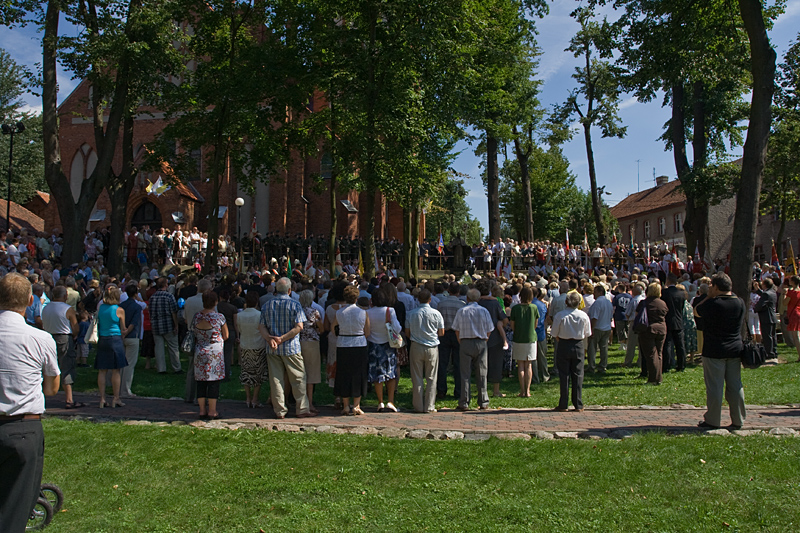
pixel 753 323
pixel 523 351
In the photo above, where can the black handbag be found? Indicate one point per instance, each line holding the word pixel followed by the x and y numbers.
pixel 753 353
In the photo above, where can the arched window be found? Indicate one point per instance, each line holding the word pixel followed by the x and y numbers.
pixel 82 167
pixel 326 166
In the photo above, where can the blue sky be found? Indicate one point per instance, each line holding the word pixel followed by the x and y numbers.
pixel 615 158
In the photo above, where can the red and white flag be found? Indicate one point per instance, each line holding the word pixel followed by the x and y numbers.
pixel 309 261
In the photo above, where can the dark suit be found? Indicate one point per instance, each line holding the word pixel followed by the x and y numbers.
pixel 674 348
pixel 765 307
pixel 651 342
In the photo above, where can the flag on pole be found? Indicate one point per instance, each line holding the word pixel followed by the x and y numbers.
pixel 509 269
pixel 567 239
pixel 697 252
pixel 499 268
pixel 441 243
pixel 673 266
pixel 360 264
pixel 774 260
pixel 253 229
pixel 337 266
pixel 158 188
pixel 791 258
pixel 647 251
pixel 586 251
pixel 309 262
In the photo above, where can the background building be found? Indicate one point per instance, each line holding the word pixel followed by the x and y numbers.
pixel 291 202
pixel 657 215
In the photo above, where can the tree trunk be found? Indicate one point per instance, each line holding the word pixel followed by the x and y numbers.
pixel 119 191
pixel 415 219
pixel 407 242
pixel 682 168
pixel 700 227
pixel 597 208
pixel 522 159
pixel 334 221
pixel 369 237
pixel 74 218
pixel 492 187
pixel 762 66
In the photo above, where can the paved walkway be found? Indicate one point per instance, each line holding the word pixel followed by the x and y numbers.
pixel 670 418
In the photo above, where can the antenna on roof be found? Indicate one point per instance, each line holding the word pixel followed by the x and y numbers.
pixel 638 186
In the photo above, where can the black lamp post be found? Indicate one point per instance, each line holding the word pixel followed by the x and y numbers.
pixel 10 129
pixel 239 203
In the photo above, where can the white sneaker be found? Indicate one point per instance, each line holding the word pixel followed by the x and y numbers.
pixel 381 407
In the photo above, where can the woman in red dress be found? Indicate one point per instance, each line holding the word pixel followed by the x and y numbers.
pixel 793 312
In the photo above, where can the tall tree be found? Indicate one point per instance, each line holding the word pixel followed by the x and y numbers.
pixel 664 46
pixel 780 193
pixel 553 193
pixel 762 67
pixel 599 85
pixel 502 67
pixel 242 134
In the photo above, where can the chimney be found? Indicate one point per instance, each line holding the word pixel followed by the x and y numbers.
pixel 662 180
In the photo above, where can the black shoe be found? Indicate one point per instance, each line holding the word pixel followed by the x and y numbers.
pixel 178 372
pixel 735 427
pixel 706 425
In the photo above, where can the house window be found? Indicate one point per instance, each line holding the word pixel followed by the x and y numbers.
pixel 662 226
pixel 326 166
pixel 647 229
pixel 196 157
pixel 678 222
pixel 758 254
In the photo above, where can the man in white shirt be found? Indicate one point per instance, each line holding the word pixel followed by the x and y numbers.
pixel 637 290
pixel 405 298
pixel 600 313
pixel 473 325
pixel 570 327
pixel 28 360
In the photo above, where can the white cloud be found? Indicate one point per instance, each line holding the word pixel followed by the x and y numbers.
pixel 792 10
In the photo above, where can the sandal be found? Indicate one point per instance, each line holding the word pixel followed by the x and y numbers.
pixel 390 408
pixel 74 405
pixel 357 411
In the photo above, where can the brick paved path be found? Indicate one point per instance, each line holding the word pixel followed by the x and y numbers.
pixel 680 417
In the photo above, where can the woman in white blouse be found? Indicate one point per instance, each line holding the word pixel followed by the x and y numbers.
pixel 382 357
pixel 351 352
pixel 252 350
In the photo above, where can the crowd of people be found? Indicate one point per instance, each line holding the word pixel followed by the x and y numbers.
pixel 316 329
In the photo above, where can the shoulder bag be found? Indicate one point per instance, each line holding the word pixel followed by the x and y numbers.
pixel 753 353
pixel 92 336
pixel 395 339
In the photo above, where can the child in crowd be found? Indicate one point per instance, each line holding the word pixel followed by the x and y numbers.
pixel 83 348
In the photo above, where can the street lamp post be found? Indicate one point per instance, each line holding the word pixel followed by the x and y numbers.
pixel 239 203
pixel 10 129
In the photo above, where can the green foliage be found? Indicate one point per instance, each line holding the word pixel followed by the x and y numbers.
pixel 449 212
pixel 580 219
pixel 553 194
pixel 28 176
pixel 28 159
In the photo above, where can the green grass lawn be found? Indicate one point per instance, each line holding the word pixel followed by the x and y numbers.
pixel 619 386
pixel 178 479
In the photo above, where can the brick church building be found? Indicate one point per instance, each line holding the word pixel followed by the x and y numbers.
pixel 286 204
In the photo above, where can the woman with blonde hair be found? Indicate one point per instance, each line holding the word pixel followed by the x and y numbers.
pixel 110 348
pixel 651 339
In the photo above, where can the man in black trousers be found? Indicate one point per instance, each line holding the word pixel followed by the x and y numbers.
pixel 28 372
pixel 765 307
pixel 674 349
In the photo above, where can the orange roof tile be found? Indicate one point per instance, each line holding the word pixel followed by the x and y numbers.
pixel 649 200
pixel 20 217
